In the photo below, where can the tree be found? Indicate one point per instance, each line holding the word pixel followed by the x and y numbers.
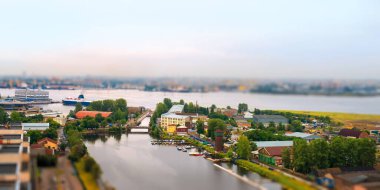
pixel 243 148
pixel 34 136
pixel 367 150
pixel 213 108
pixel 242 108
pixel 78 107
pixel 182 102
pixel 214 124
pixel 200 127
pixel 318 154
pixel 50 133
pixel 99 118
pixel 337 152
pixel 286 159
pixel 296 126
pixel 253 146
pixel 191 108
pixel 302 160
pixel 168 102
pixel 17 116
pixel 3 116
pixel 230 153
pixel 281 127
pixel 121 104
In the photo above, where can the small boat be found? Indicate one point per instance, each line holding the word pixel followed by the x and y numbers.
pixel 184 150
pixel 194 153
pixel 179 148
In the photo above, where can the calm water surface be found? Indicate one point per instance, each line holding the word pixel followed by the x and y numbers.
pixel 367 105
pixel 131 162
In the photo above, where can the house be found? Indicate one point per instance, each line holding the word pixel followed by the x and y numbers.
pixel 271 155
pixel 48 143
pixel 35 126
pixel 229 112
pixel 351 133
pixel 83 114
pixel 182 130
pixel 242 123
pixel 307 136
pixel 267 119
pixel 248 115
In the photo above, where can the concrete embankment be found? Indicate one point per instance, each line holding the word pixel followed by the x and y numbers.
pixel 245 180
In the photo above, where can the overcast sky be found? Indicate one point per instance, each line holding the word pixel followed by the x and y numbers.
pixel 334 39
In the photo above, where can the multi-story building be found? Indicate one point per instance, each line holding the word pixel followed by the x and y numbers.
pixel 173 119
pixel 14 158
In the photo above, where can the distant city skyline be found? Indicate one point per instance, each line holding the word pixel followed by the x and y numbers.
pixel 201 38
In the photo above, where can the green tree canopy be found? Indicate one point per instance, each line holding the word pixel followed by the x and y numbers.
pixel 214 124
pixel 243 147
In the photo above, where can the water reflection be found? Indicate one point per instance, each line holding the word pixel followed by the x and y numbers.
pixel 131 162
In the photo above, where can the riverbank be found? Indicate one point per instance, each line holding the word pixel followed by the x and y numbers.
pixel 285 181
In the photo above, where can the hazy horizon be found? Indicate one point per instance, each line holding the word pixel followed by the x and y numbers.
pixel 223 39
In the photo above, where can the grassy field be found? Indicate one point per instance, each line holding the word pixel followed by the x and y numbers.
pixel 86 177
pixel 348 119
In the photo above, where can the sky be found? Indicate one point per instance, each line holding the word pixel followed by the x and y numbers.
pixel 271 39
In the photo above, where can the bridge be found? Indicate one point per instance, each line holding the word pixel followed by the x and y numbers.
pixel 143 124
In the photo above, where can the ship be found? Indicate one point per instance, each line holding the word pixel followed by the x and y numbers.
pixel 32 96
pixel 73 101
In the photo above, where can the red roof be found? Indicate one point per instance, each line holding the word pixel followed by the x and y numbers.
pixel 83 114
pixel 275 151
pixel 350 133
pixel 44 140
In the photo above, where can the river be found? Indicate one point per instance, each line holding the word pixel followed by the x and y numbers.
pixel 365 105
pixel 131 162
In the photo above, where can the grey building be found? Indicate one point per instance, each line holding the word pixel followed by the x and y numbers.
pixel 266 119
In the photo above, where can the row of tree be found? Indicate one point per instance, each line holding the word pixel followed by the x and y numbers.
pixel 266 135
pixel 16 117
pixel 340 152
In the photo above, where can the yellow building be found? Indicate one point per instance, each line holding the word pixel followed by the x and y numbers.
pixel 48 143
pixel 173 119
pixel 171 129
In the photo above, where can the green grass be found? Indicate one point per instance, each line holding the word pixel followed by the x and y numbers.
pixel 87 179
pixel 287 182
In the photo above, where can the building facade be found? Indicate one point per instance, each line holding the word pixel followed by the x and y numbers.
pixel 14 158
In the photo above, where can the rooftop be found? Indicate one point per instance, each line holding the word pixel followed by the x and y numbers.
pixel 275 151
pixel 176 109
pixel 173 115
pixel 35 124
pixel 83 114
pixel 350 133
pixel 262 144
pixel 298 134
